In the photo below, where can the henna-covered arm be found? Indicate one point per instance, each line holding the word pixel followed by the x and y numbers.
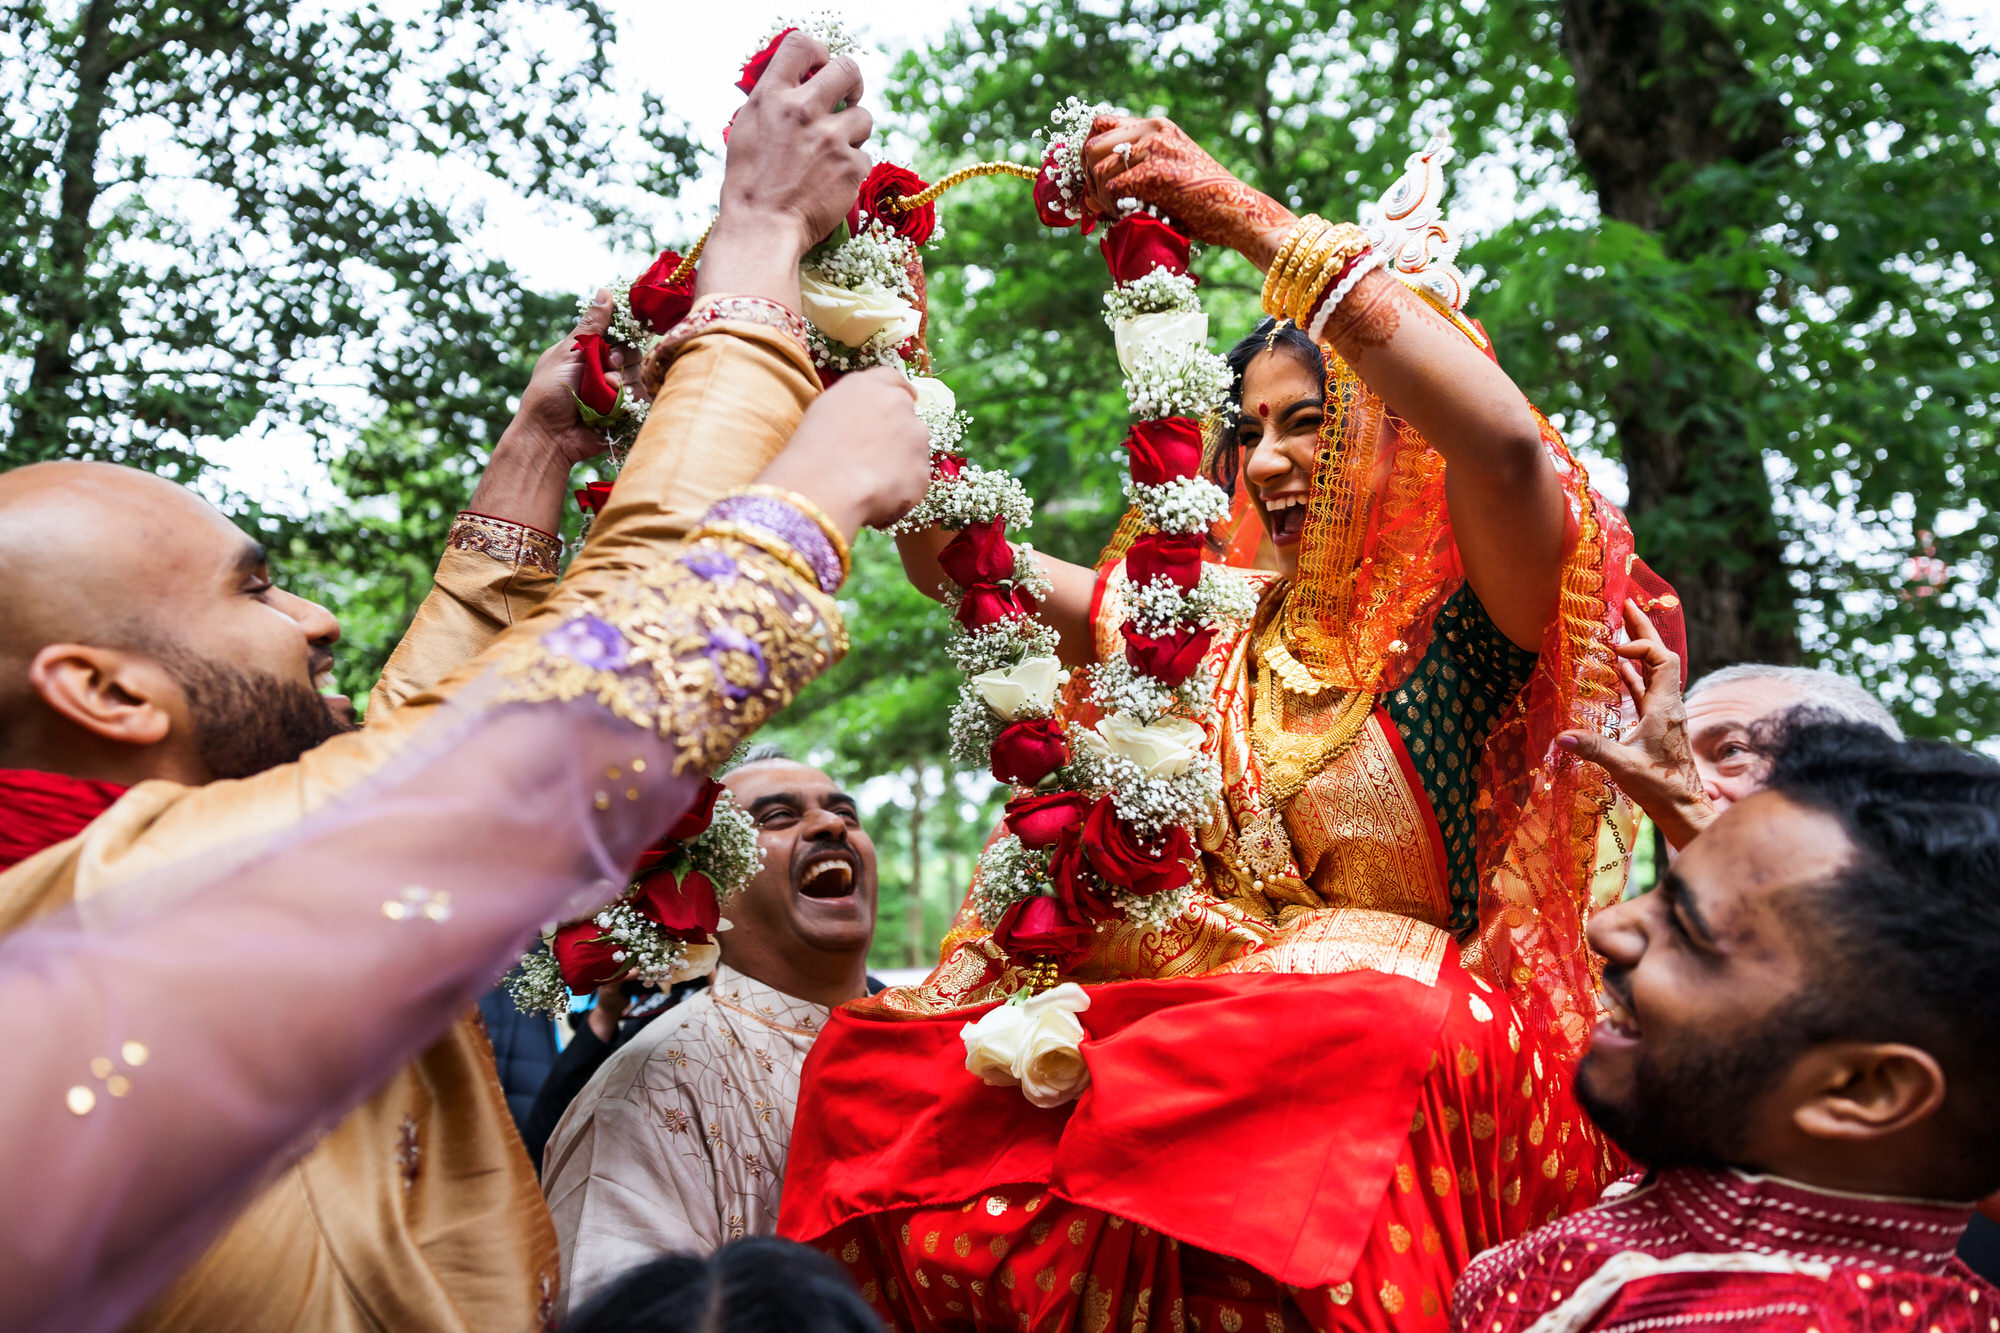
pixel 1506 504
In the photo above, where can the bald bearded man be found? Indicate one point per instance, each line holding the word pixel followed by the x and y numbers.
pixel 142 637
pixel 421 1210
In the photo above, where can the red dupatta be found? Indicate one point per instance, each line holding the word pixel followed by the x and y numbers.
pixel 39 810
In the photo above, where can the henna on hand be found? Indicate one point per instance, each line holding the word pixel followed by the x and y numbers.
pixel 1168 170
pixel 1369 317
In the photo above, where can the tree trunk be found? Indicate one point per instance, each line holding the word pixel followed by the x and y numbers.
pixel 1651 77
pixel 41 427
pixel 914 907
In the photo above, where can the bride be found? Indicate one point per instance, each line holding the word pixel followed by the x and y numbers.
pixel 1341 1071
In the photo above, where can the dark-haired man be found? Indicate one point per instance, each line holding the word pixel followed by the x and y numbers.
pixel 679 1142
pixel 1799 1043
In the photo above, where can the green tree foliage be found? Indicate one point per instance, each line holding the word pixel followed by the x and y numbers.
pixel 1745 247
pixel 232 218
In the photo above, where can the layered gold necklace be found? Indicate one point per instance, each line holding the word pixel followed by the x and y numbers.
pixel 1294 732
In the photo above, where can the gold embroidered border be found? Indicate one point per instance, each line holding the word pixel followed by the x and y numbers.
pixel 702 648
pixel 514 544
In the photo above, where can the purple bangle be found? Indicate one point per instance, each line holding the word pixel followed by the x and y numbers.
pixel 788 525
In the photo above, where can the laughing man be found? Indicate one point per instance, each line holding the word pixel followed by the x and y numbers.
pixel 679 1142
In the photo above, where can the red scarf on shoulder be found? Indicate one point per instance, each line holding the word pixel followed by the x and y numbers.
pixel 39 810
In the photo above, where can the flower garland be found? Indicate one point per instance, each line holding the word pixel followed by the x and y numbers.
pixel 662 928
pixel 1100 825
pixel 863 303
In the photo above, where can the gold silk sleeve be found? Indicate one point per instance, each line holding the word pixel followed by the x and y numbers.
pixel 492 573
pixel 412 1249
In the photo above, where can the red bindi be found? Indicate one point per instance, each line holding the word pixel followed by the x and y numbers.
pixel 1263 409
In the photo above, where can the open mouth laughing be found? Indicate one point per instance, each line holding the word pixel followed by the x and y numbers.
pixel 834 873
pixel 1285 518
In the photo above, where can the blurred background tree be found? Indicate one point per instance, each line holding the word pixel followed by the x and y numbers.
pixel 232 219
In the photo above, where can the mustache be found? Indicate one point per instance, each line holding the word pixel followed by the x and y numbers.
pixel 1618 980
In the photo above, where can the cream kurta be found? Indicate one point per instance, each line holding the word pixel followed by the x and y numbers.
pixel 679 1142
pixel 421 1209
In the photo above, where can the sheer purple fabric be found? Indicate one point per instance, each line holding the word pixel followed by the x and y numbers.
pixel 173 1042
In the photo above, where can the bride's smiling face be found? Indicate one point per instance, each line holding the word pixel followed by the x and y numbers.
pixel 1278 432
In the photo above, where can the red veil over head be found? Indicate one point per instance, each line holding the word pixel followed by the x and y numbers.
pixel 1376 562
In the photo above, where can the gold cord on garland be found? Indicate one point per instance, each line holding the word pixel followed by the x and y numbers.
pixel 685 269
pixel 905 203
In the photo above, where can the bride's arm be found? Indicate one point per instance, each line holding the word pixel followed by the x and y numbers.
pixel 1506 504
pixel 1067 610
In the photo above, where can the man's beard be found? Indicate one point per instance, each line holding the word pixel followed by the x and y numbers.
pixel 246 722
pixel 1695 1109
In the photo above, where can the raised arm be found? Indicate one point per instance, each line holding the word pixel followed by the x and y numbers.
pixel 1067 611
pixel 1506 504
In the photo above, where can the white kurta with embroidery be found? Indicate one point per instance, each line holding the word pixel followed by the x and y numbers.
pixel 678 1143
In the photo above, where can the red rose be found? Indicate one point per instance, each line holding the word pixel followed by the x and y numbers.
pixel 1049 203
pixel 1164 450
pixel 888 181
pixel 1082 895
pixel 702 813
pixel 1140 243
pixel 584 957
pixel 1039 820
pixel 658 303
pixel 986 604
pixel 592 498
pixel 1026 752
pixel 1041 926
pixel 978 554
pixel 1170 658
pixel 753 68
pixel 1123 861
pixel 683 905
pixel 948 466
pixel 598 391
pixel 1168 555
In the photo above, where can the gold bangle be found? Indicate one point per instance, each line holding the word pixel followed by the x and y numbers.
pixel 1278 283
pixel 813 512
pixel 1341 246
pixel 766 542
pixel 1306 266
pixel 1274 276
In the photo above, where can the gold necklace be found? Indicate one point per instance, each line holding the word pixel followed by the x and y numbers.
pixel 1295 743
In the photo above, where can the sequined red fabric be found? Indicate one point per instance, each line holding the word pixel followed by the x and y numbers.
pixel 1693 1249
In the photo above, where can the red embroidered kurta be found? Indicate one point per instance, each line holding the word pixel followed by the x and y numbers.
pixel 1725 1250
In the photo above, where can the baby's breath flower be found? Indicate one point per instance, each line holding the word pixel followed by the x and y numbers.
pixel 1176 380
pixel 1190 504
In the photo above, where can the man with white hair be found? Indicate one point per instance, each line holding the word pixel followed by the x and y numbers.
pixel 1691 757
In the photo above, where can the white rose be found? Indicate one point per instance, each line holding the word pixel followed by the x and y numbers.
pixel 1172 328
pixel 1050 1060
pixel 854 315
pixel 1028 686
pixel 1164 749
pixel 993 1044
pixel 935 400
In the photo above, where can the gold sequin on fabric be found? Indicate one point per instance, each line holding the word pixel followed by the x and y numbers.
pixel 701 648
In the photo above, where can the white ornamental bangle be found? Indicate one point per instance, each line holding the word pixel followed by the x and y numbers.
pixel 1360 269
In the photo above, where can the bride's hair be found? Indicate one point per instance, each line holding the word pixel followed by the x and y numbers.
pixel 1271 335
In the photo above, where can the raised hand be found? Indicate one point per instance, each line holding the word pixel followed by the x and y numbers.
pixel 860 454
pixel 1154 161
pixel 1655 764
pixel 794 168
